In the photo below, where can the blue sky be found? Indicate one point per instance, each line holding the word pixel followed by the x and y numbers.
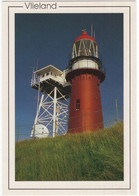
pixel 49 38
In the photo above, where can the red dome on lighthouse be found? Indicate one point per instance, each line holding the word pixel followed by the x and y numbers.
pixel 84 36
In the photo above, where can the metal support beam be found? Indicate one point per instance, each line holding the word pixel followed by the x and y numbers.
pixel 38 109
pixel 52 112
pixel 37 114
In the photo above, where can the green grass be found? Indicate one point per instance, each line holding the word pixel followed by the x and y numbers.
pixel 91 156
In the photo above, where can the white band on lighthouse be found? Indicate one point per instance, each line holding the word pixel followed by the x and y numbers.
pixel 85 63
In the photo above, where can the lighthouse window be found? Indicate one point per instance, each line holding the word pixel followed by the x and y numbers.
pixel 77 104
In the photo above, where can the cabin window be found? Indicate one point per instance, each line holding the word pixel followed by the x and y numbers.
pixel 77 104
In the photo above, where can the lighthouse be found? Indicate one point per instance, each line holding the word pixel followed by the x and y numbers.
pixel 85 73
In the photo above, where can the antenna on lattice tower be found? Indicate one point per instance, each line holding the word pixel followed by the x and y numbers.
pixel 33 72
pixel 37 64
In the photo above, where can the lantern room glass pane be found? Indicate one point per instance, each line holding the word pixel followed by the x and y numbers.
pixel 87 43
pixel 77 45
pixel 85 47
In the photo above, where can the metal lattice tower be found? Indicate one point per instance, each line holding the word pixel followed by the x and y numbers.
pixel 52 105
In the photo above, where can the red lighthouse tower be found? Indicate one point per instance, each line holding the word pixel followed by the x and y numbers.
pixel 85 75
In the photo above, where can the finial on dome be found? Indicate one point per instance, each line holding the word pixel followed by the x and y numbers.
pixel 84 32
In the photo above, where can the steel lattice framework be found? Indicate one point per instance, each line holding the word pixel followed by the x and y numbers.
pixel 53 103
pixel 53 113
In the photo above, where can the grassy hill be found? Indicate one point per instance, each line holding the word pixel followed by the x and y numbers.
pixel 91 156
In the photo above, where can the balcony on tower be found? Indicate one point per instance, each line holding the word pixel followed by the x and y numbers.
pixel 46 78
